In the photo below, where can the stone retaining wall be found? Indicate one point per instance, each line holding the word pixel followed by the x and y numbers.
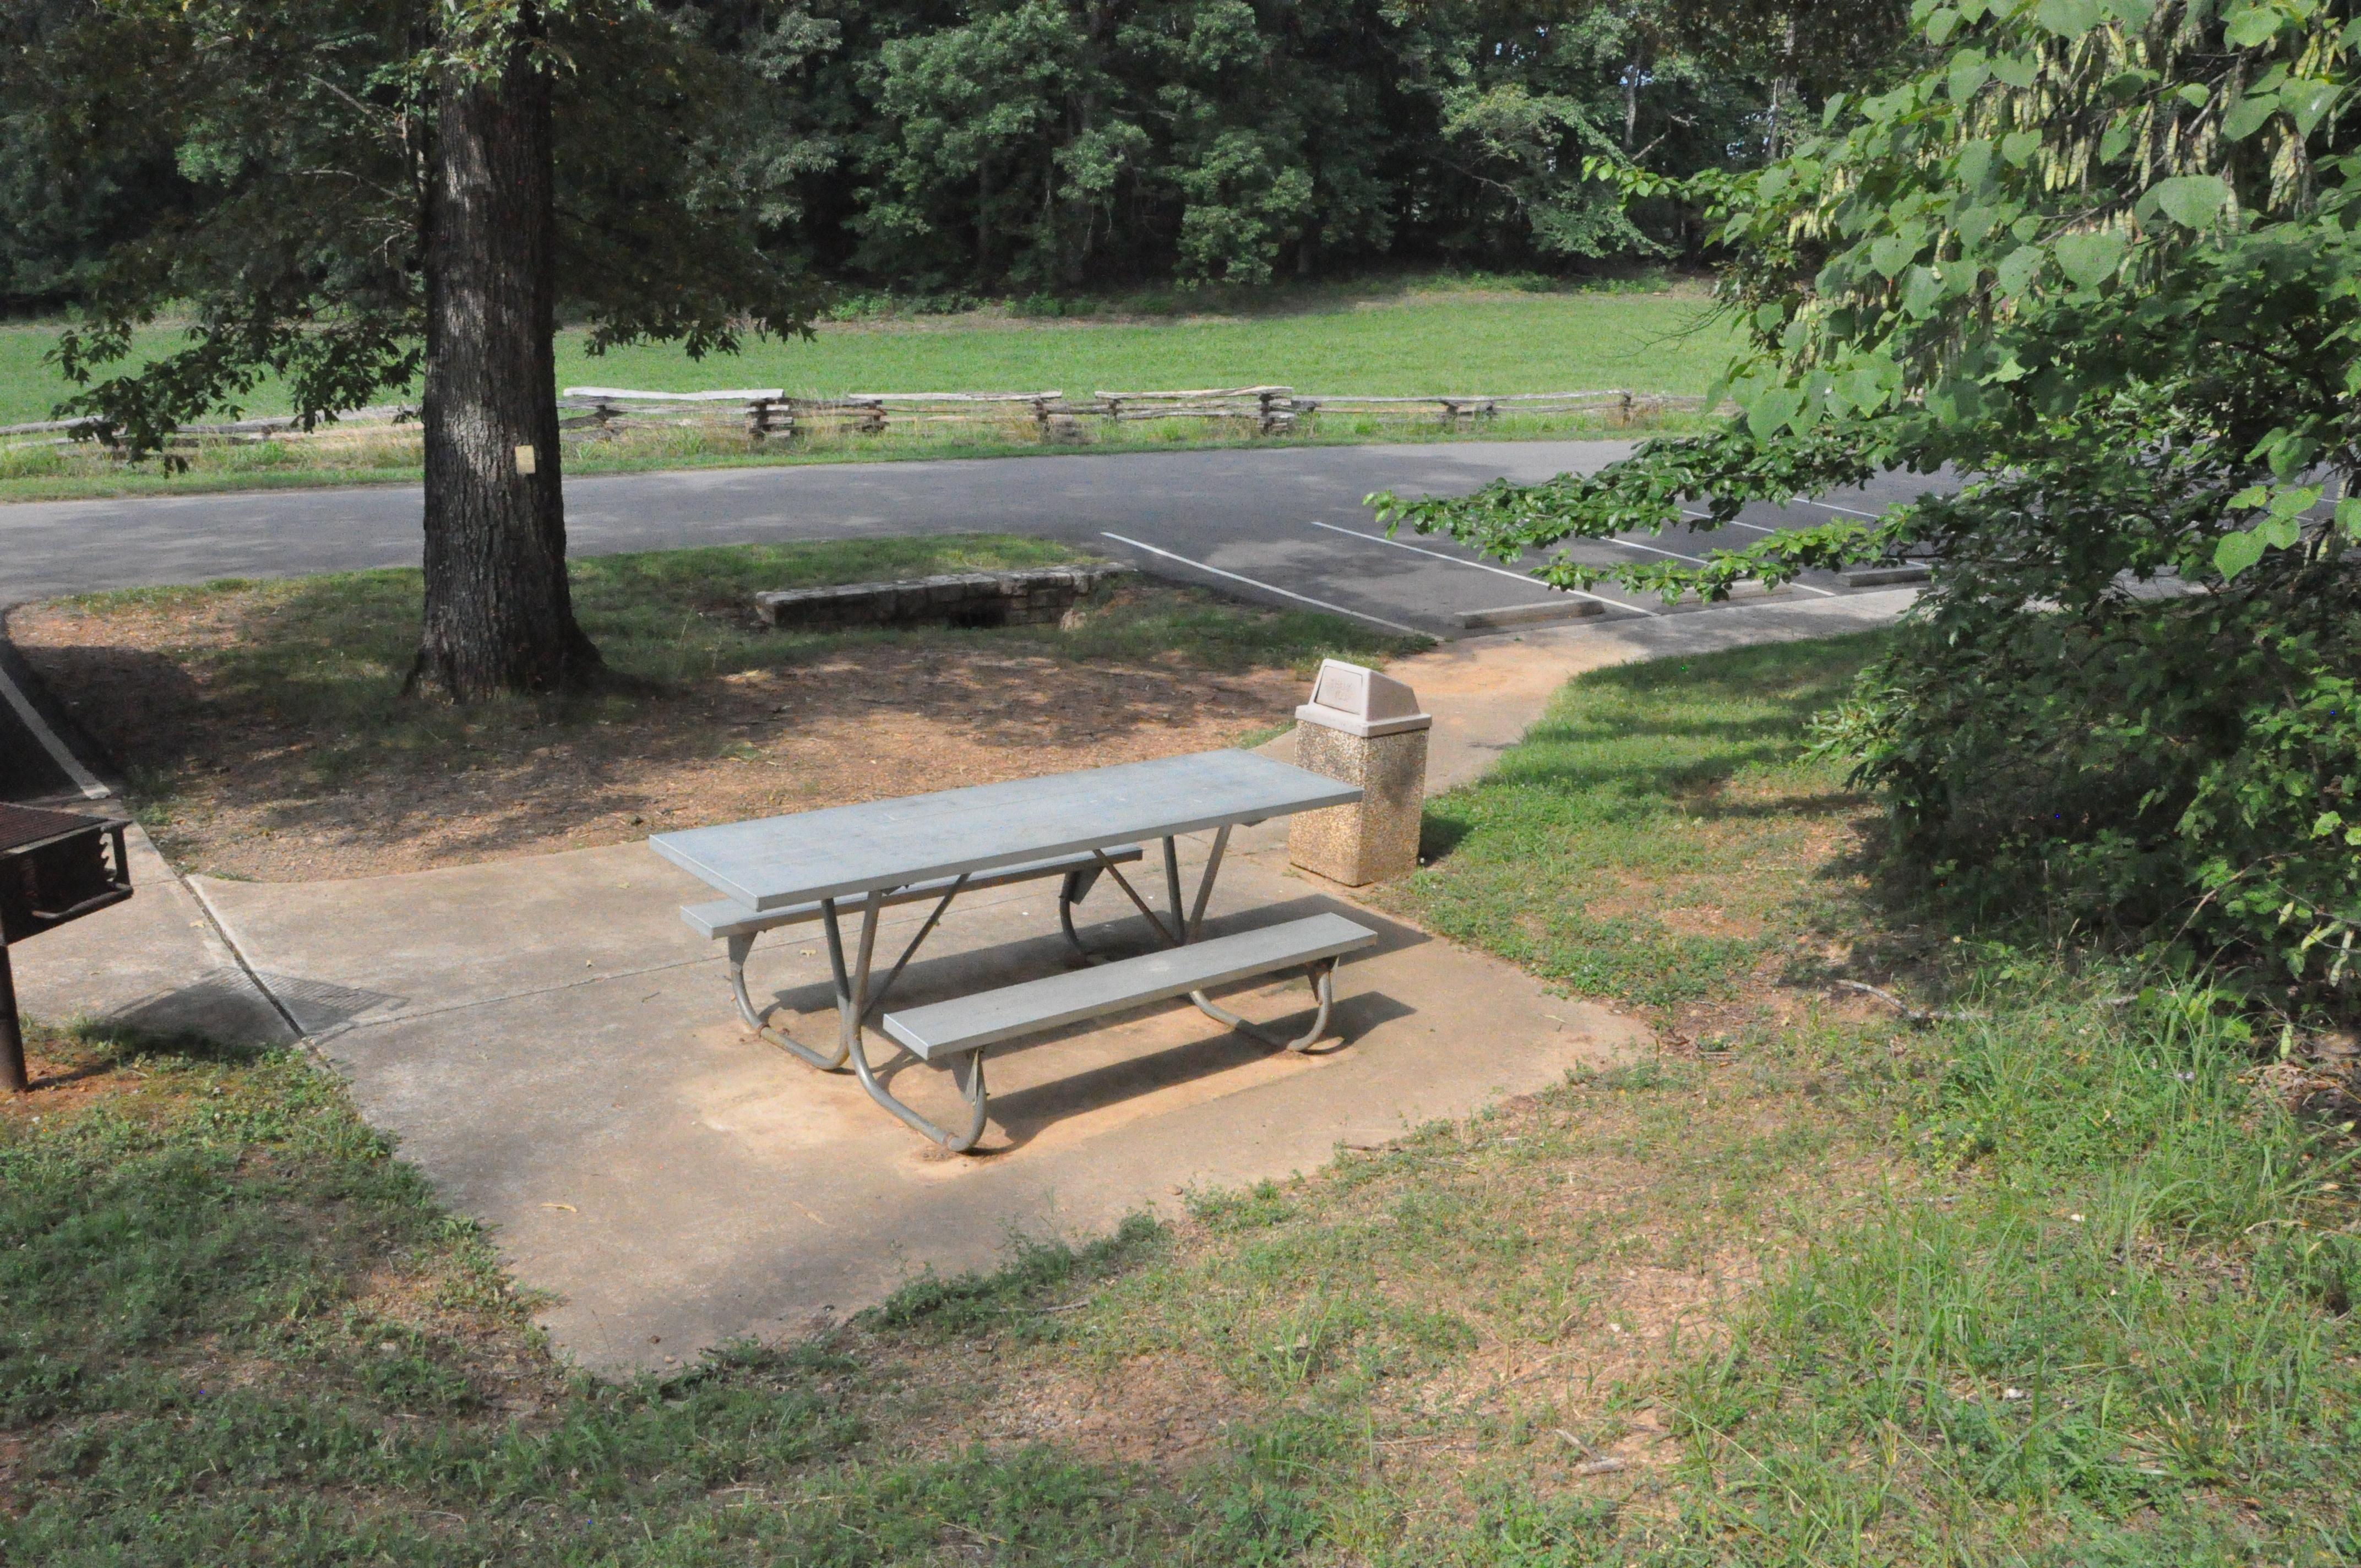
pixel 1036 596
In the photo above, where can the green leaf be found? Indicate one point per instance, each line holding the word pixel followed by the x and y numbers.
pixel 1772 410
pixel 2018 268
pixel 2348 516
pixel 2089 259
pixel 2326 824
pixel 1864 389
pixel 1923 292
pixel 2250 115
pixel 2069 18
pixel 1974 162
pixel 2309 102
pixel 2302 499
pixel 2191 200
pixel 2018 146
pixel 1941 26
pixel 1976 222
pixel 1894 252
pixel 2249 25
pixel 2014 69
pixel 2234 552
pixel 1969 72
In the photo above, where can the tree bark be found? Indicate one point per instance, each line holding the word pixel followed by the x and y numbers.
pixel 500 617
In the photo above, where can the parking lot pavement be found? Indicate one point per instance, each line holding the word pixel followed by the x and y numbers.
pixel 1284 524
pixel 1341 559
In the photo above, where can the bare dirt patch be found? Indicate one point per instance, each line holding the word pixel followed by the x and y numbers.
pixel 237 786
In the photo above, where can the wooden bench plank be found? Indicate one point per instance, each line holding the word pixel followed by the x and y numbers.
pixel 970 1023
pixel 726 917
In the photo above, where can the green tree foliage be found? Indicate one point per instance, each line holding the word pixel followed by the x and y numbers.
pixel 300 138
pixel 975 146
pixel 1049 142
pixel 371 192
pixel 2099 258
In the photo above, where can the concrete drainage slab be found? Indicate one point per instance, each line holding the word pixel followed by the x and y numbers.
pixel 1036 596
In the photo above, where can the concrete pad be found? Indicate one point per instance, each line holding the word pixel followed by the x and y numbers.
pixel 154 962
pixel 559 1055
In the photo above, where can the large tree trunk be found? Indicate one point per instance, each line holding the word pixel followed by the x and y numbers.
pixel 499 617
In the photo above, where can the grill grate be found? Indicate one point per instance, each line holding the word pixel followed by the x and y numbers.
pixel 23 824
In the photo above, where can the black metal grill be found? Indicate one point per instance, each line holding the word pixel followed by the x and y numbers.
pixel 55 866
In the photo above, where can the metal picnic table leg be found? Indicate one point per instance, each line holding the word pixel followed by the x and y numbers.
pixel 853 1002
pixel 1323 976
pixel 12 1033
pixel 739 948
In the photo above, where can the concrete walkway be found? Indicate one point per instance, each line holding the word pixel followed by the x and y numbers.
pixel 559 1055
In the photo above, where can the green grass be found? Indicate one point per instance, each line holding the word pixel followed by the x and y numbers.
pixel 1372 344
pixel 2050 1282
pixel 1381 341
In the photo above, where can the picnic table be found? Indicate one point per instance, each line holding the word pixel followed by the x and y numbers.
pixel 1076 826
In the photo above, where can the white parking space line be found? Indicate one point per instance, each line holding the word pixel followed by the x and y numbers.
pixel 1478 566
pixel 68 763
pixel 1653 550
pixel 1268 588
pixel 1733 522
pixel 1848 511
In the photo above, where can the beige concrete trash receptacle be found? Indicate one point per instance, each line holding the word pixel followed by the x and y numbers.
pixel 1365 728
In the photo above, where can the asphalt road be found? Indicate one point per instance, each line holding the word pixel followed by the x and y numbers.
pixel 1280 524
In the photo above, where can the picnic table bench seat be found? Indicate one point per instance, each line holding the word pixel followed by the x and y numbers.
pixel 725 917
pixel 966 1024
pixel 955 1033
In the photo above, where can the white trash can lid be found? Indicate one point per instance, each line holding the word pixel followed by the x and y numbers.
pixel 1361 701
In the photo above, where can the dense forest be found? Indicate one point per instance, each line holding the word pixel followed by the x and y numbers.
pixel 961 149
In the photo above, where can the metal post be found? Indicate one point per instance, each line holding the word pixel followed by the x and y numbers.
pixel 12 1033
pixel 1172 889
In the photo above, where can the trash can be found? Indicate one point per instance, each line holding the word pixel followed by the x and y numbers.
pixel 1365 728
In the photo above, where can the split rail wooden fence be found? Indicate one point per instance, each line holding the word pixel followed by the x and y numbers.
pixel 1272 411
pixel 595 413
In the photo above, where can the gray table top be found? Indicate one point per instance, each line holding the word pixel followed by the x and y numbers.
pixel 778 860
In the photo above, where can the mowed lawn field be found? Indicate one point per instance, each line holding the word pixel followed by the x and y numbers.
pixel 1460 340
